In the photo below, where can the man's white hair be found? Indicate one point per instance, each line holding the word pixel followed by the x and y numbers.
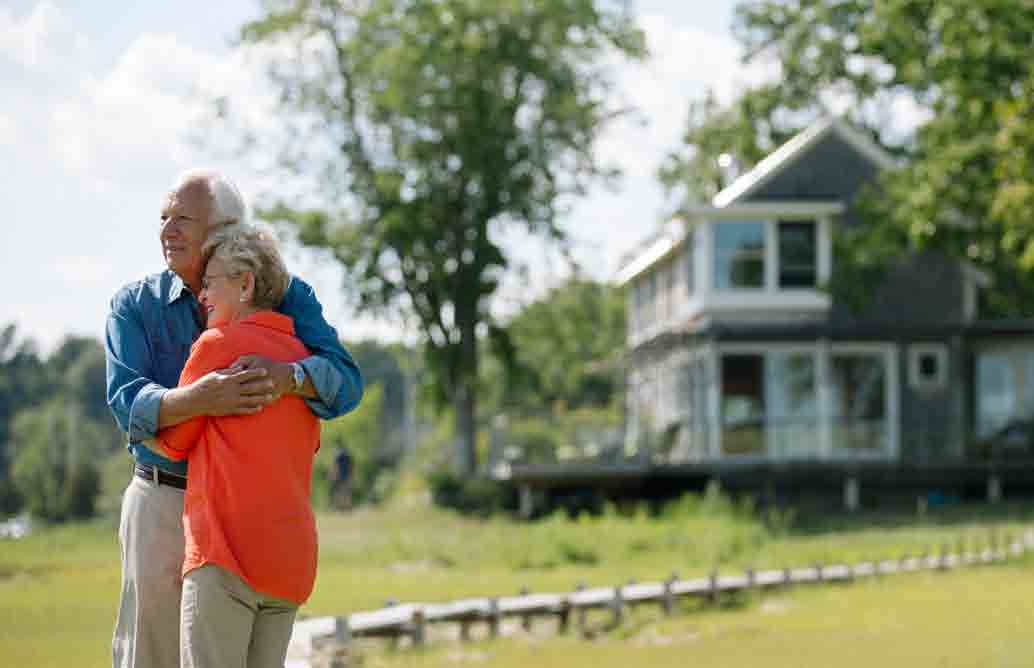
pixel 227 204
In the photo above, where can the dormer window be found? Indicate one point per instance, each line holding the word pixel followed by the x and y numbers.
pixel 739 255
pixel 798 254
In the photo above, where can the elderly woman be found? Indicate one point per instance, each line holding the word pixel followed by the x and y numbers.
pixel 250 558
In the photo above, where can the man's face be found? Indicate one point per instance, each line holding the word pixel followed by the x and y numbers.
pixel 184 227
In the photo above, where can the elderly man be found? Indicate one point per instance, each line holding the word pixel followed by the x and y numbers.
pixel 150 329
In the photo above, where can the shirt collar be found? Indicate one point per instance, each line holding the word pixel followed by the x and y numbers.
pixel 176 287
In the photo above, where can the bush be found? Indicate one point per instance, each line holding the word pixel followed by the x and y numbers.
pixel 477 495
pixel 55 469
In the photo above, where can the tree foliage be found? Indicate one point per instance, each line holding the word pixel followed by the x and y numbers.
pixel 361 434
pixel 963 187
pixel 567 346
pixel 54 426
pixel 435 127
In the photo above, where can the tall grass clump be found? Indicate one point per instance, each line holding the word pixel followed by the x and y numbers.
pixel 696 530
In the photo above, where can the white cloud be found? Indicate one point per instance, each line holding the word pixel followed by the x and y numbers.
pixel 40 40
pixel 8 131
pixel 132 125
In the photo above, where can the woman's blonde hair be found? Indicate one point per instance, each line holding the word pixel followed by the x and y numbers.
pixel 246 248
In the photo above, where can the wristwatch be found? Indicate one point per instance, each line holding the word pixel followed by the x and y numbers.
pixel 298 373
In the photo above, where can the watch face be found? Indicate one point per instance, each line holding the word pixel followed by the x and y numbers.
pixel 299 375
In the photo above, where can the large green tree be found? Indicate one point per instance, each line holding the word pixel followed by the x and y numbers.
pixel 964 185
pixel 437 127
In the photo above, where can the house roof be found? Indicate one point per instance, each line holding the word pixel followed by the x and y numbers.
pixel 785 155
pixel 653 249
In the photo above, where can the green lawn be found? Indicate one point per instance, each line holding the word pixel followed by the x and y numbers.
pixel 59 587
pixel 974 619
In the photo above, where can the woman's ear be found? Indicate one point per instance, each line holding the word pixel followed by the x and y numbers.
pixel 248 288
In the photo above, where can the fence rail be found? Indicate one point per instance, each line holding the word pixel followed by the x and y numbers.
pixel 326 642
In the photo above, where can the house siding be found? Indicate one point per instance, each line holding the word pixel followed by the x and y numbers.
pixel 925 289
pixel 934 422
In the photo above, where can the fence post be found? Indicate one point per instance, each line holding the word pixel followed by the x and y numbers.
pixel 391 603
pixel 582 614
pixel 525 618
pixel 787 577
pixel 564 615
pixel 751 579
pixel 618 606
pixel 419 627
pixel 668 599
pixel 493 617
pixel 714 587
pixel 818 572
pixel 342 649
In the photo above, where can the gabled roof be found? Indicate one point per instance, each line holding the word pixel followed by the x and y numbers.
pixel 782 157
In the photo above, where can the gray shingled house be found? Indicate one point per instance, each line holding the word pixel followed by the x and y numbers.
pixel 741 367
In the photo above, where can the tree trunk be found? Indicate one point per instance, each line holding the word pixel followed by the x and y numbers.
pixel 466 393
pixel 466 428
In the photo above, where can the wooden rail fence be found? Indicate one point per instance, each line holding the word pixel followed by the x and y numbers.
pixel 326 642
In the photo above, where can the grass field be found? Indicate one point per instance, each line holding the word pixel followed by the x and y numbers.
pixel 58 587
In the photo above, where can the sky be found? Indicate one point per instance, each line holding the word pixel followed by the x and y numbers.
pixel 99 112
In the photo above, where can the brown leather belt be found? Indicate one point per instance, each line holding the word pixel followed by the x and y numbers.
pixel 158 476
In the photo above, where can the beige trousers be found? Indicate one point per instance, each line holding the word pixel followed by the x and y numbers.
pixel 151 538
pixel 227 624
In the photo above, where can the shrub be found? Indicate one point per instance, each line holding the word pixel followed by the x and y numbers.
pixel 474 495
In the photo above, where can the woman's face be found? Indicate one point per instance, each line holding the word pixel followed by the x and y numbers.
pixel 221 292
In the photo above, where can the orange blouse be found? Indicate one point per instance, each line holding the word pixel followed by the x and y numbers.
pixel 247 505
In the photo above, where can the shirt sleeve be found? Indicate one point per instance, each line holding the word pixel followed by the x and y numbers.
pixel 133 397
pixel 177 441
pixel 334 374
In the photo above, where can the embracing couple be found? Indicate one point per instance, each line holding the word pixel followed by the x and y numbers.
pixel 223 362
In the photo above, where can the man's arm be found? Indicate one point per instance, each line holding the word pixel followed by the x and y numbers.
pixel 333 383
pixel 132 396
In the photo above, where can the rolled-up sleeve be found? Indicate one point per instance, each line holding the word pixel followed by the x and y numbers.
pixel 178 441
pixel 133 397
pixel 334 374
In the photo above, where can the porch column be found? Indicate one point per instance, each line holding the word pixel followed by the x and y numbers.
pixel 994 489
pixel 852 489
pixel 526 506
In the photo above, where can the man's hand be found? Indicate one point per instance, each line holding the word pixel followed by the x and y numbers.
pixel 280 373
pixel 233 391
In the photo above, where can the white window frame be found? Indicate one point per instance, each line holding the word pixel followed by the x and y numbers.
pixel 823 352
pixel 915 377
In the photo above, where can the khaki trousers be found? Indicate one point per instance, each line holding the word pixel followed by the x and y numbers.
pixel 151 539
pixel 227 624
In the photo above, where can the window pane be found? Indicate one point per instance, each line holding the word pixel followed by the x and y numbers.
pixel 790 389
pixel 929 369
pixel 859 406
pixel 739 255
pixel 743 405
pixel 797 254
pixel 997 392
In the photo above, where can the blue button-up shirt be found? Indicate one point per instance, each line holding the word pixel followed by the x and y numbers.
pixel 151 327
